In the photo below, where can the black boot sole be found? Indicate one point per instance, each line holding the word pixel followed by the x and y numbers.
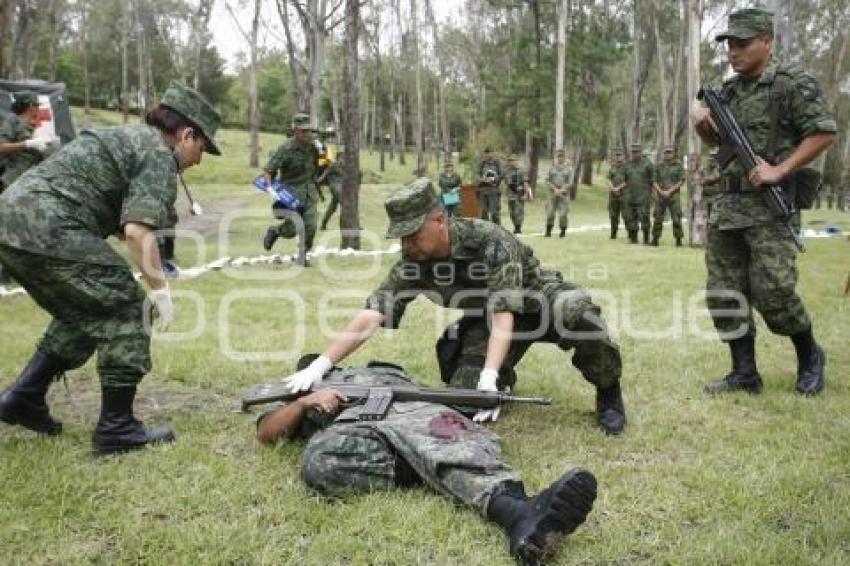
pixel 109 449
pixel 809 391
pixel 564 511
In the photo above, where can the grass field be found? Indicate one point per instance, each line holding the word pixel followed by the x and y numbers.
pixel 693 480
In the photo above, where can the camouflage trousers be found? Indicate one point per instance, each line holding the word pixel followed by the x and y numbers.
pixel 568 319
pixel 755 266
pixel 558 205
pixel 94 308
pixel 415 443
pixel 615 208
pixel 309 217
pixel 491 206
pixel 661 208
pixel 516 206
pixel 636 213
pixel 335 189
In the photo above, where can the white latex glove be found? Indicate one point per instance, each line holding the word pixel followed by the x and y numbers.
pixel 196 209
pixel 161 304
pixel 37 144
pixel 309 376
pixel 487 382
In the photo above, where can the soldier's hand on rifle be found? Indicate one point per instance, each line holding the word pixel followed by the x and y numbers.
pixel 309 376
pixel 161 306
pixel 765 174
pixel 327 400
pixel 487 382
pixel 702 121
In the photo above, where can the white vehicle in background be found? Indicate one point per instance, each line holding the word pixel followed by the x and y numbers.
pixel 54 111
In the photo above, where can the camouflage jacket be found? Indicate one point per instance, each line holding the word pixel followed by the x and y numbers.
pixel 617 175
pixel 449 182
pixel 710 178
pixel 559 176
pixel 294 163
pixel 669 174
pixel 494 166
pixel 486 265
pixel 639 176
pixel 515 179
pixel 802 112
pixel 67 206
pixel 13 165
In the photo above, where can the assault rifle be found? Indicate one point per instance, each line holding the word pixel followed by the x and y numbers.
pixel 734 144
pixel 376 399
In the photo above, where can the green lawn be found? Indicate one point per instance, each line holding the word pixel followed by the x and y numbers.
pixel 693 480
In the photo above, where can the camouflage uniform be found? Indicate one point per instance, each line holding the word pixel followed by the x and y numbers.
pixel 747 249
pixel 516 180
pixel 295 164
pixel 489 195
pixel 449 181
pixel 710 182
pixel 490 268
pixel 559 178
pixel 668 173
pixel 13 165
pixel 333 177
pixel 616 201
pixel 416 443
pixel 639 176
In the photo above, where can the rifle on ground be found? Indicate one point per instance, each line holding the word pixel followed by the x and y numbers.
pixel 376 399
pixel 734 144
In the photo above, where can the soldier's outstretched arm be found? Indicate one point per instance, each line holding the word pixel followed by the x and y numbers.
pixel 283 423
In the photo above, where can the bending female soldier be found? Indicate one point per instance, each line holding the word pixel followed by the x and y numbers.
pixel 53 224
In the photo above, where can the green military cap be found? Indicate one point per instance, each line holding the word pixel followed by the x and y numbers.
pixel 637 147
pixel 409 206
pixel 191 105
pixel 26 98
pixel 301 122
pixel 747 23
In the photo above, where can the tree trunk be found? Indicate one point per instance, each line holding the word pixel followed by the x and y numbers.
pixel 126 31
pixel 140 59
pixel 697 225
pixel 200 23
pixel 21 51
pixel 421 164
pixel 283 11
pixel 254 108
pixel 349 215
pixel 562 65
pixel 662 80
pixel 6 19
pixel 441 83
pixel 587 167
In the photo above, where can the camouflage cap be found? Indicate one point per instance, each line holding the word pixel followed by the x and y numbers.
pixel 26 98
pixel 190 104
pixel 747 23
pixel 301 122
pixel 409 206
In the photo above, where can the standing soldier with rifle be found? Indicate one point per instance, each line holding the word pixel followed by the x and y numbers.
pixel 509 301
pixel 750 253
pixel 560 177
pixel 489 195
pixel 616 186
pixel 424 444
pixel 639 174
pixel 518 192
pixel 669 176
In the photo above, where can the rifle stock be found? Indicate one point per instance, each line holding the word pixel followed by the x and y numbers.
pixel 734 144
pixel 376 399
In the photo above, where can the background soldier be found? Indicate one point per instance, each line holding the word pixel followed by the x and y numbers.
pixel 450 183
pixel 518 192
pixel 639 174
pixel 749 252
pixel 295 163
pixel 333 177
pixel 495 278
pixel 669 176
pixel 416 444
pixel 559 177
pixel 53 225
pixel 616 186
pixel 489 195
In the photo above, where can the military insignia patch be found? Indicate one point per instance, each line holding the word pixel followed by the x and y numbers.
pixel 809 88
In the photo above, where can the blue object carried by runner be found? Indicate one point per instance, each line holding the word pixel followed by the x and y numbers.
pixel 282 193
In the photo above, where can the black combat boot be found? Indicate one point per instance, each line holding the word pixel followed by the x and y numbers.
pixel 270 238
pixel 633 237
pixel 811 362
pixel 118 430
pixel 679 242
pixel 613 233
pixel 549 231
pixel 534 526
pixel 655 241
pixel 646 237
pixel 610 411
pixel 563 232
pixel 23 403
pixel 744 375
pixel 518 229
